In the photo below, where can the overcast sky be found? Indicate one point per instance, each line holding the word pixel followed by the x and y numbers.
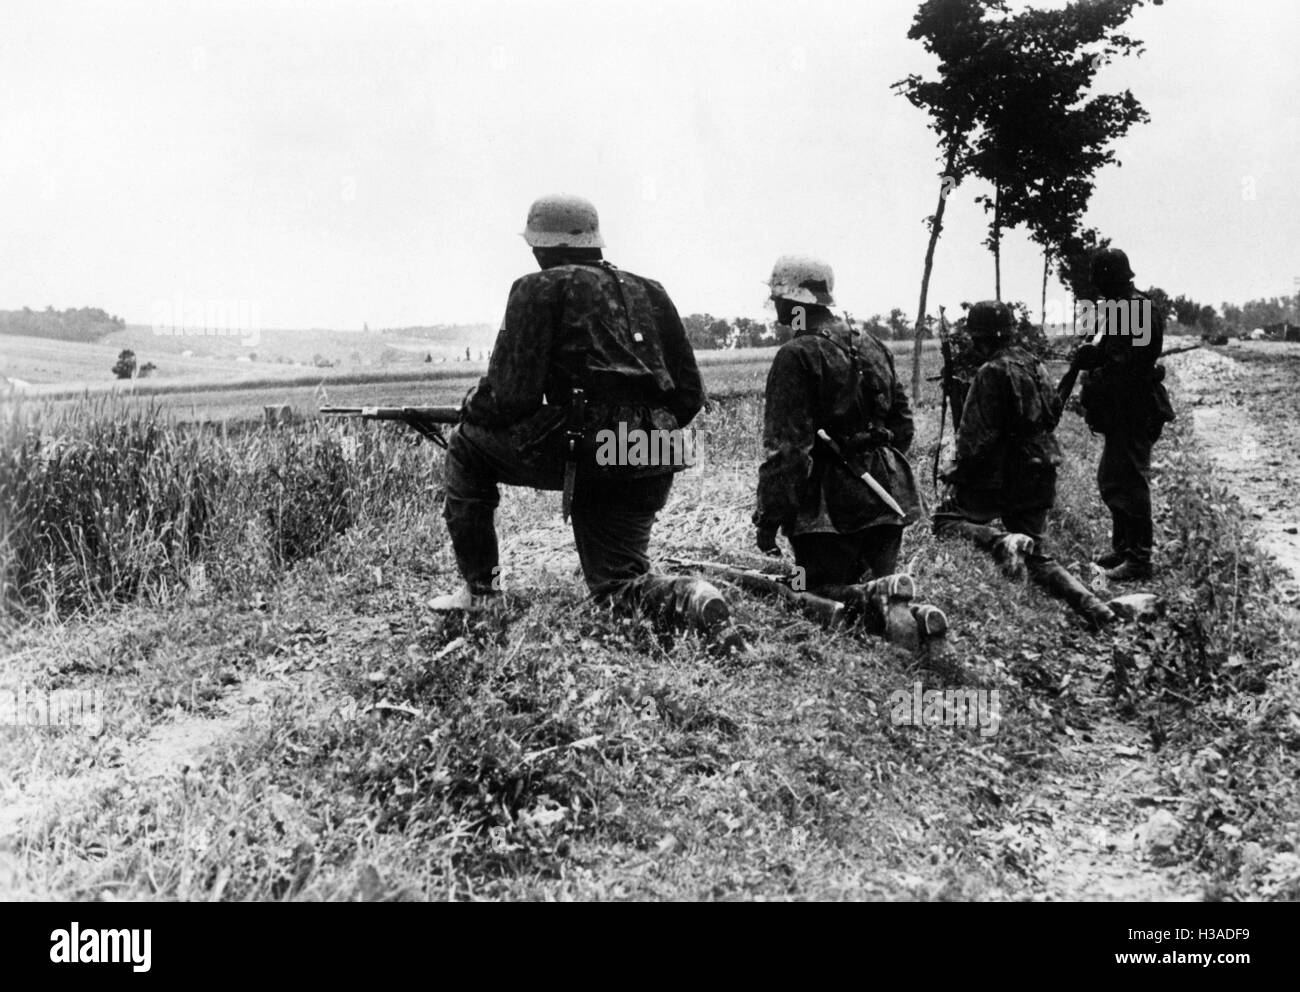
pixel 335 163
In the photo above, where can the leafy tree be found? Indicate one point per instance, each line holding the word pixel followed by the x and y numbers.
pixel 964 40
pixel 1187 311
pixel 1262 312
pixel 1074 262
pixel 899 328
pixel 125 365
pixel 146 369
pixel 1007 107
pixel 705 331
pixel 876 326
pixel 1040 143
pixel 1160 302
pixel 1207 320
pixel 84 324
pixel 748 333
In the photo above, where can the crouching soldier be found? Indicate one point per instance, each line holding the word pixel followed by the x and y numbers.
pixel 584 348
pixel 835 410
pixel 1006 460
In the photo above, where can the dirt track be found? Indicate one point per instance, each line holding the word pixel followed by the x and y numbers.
pixel 1243 404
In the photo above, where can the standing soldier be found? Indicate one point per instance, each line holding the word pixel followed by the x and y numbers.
pixel 831 380
pixel 1125 401
pixel 1006 459
pixel 584 347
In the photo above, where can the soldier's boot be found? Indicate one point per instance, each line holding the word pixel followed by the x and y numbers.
pixel 1136 564
pixel 889 600
pixel 686 601
pixel 884 607
pixel 712 618
pixel 1117 554
pixel 1057 580
pixel 1130 570
pixel 464 600
pixel 1011 551
pixel 931 632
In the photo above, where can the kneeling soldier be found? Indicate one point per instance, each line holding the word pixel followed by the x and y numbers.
pixel 585 348
pixel 1006 460
pixel 836 414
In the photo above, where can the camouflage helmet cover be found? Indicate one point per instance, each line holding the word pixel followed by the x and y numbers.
pixel 803 279
pixel 990 317
pixel 561 220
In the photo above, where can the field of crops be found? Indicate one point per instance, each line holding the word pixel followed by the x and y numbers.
pixel 242 396
pixel 112 497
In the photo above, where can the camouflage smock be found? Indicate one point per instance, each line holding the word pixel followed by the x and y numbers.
pixel 1007 453
pixel 801 487
pixel 589 325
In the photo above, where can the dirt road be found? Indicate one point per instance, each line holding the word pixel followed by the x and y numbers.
pixel 1244 404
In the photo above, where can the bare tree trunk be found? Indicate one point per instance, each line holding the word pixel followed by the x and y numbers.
pixel 936 226
pixel 1043 317
pixel 997 243
pixel 1074 314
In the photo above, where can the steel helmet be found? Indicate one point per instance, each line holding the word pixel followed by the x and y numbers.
pixel 1110 268
pixel 803 279
pixel 563 221
pixel 990 318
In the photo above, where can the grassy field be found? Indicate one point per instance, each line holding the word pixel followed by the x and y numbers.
pixel 47 362
pixel 357 746
pixel 52 366
pixel 241 393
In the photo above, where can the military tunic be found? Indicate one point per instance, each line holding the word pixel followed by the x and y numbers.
pixel 613 334
pixel 1006 461
pixel 826 379
pixel 1006 453
pixel 617 336
pixel 812 385
pixel 1125 401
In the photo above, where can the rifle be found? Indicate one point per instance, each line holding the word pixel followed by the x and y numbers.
pixel 946 389
pixel 827 612
pixel 1066 386
pixel 424 419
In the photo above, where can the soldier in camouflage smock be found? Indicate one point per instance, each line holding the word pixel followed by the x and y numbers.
pixel 834 379
pixel 1006 461
pixel 579 323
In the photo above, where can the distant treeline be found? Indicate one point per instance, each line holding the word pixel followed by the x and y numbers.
pixel 453 332
pixel 1233 319
pixel 84 324
pixel 705 331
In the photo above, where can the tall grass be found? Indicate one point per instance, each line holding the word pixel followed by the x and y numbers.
pixel 110 501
